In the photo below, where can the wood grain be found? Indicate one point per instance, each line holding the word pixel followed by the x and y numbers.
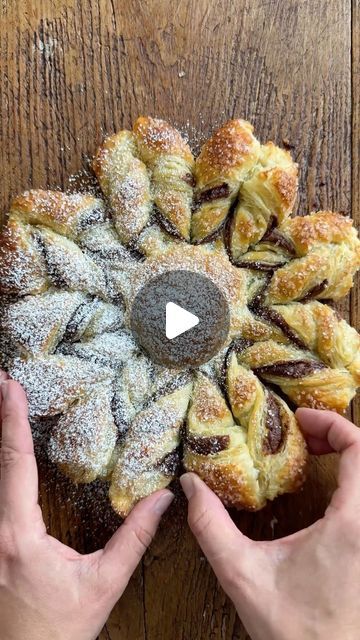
pixel 72 71
pixel 355 175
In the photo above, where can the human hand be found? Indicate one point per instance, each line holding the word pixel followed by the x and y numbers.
pixel 48 590
pixel 304 586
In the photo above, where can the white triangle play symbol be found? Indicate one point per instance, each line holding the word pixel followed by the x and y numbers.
pixel 178 320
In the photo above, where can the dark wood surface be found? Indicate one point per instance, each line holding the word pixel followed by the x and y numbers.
pixel 73 71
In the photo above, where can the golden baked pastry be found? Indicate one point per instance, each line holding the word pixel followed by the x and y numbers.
pixel 71 266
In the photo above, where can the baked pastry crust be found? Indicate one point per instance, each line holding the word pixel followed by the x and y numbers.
pixel 72 264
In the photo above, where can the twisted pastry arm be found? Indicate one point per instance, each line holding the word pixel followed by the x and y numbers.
pixel 148 457
pixel 82 442
pixel 33 253
pixel 325 333
pixel 124 180
pixel 53 382
pixel 216 449
pixel 327 253
pixel 260 457
pixel 103 242
pixel 303 377
pixel 225 161
pixel 93 318
pixel 133 388
pixel 108 349
pixel 170 162
pixel 265 200
pixel 65 213
pixel 67 266
pixel 22 266
pixel 123 166
pixel 35 325
pixel 273 436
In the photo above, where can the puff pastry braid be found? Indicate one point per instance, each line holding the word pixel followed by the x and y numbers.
pixel 70 268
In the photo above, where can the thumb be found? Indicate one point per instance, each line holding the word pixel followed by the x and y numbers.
pixel 217 535
pixel 125 549
pixel 18 470
pixel 326 431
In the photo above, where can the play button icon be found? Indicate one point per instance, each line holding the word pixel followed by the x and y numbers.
pixel 180 318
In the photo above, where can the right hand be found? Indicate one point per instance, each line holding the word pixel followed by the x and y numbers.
pixel 307 585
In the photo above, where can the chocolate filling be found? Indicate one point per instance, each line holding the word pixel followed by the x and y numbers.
pixel 275 318
pixel 176 383
pixel 213 235
pixel 207 445
pixel 315 291
pixel 290 368
pixel 271 235
pixel 116 296
pixel 92 217
pixel 238 345
pixel 274 436
pixel 170 464
pixel 81 316
pixel 189 179
pixel 56 278
pixel 215 193
pixel 271 224
pixel 258 300
pixel 168 226
pixel 269 315
pixel 118 253
pixel 258 266
pixel 275 237
pixel 119 415
pixel 227 230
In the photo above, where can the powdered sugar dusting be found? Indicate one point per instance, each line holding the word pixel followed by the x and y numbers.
pixel 52 383
pixel 110 412
pixel 83 440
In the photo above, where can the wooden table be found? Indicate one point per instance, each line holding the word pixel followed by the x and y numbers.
pixel 72 71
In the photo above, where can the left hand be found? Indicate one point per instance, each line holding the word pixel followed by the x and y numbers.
pixel 48 590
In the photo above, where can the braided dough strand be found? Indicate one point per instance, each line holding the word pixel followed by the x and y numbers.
pixel 148 458
pixel 327 257
pixel 225 161
pixel 303 377
pixel 240 461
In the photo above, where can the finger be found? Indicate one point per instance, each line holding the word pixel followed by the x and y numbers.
pixel 125 549
pixel 18 470
pixel 317 446
pixel 343 437
pixel 217 535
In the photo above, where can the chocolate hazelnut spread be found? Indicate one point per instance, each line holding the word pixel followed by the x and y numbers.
pixel 207 445
pixel 290 369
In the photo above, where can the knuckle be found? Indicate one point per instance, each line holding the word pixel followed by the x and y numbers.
pixel 199 523
pixel 9 457
pixel 143 538
pixel 7 543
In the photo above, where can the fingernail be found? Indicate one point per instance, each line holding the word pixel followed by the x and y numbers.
pixel 188 485
pixel 3 376
pixel 163 503
pixel 3 388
